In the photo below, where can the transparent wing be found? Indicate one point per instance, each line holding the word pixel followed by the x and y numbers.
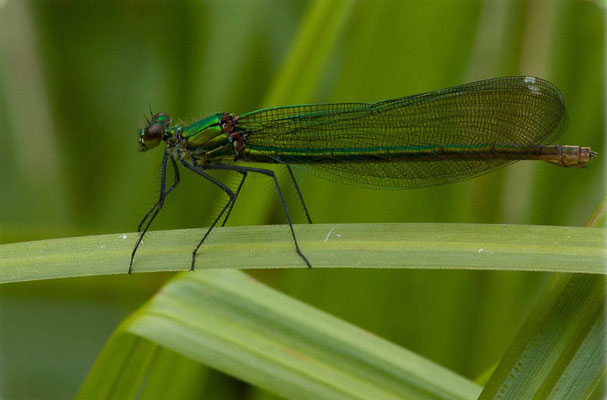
pixel 510 110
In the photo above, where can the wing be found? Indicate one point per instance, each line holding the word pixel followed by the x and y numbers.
pixel 511 110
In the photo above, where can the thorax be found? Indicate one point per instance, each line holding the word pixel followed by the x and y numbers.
pixel 214 139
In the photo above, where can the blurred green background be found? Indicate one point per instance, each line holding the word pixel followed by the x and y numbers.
pixel 77 77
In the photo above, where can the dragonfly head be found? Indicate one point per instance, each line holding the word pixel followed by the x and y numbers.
pixel 154 131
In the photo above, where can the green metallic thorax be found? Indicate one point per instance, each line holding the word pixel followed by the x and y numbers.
pixel 204 133
pixel 206 139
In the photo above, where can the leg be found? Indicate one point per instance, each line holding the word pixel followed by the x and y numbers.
pixel 231 199
pixel 244 176
pixel 175 182
pixel 271 174
pixel 156 208
pixel 303 203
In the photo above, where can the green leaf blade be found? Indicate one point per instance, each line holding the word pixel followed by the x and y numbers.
pixel 419 246
pixel 559 352
pixel 226 320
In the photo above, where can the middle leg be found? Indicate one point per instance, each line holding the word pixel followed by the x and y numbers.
pixel 271 174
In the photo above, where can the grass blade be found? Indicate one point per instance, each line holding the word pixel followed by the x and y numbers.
pixel 421 246
pixel 226 320
pixel 560 350
pixel 133 367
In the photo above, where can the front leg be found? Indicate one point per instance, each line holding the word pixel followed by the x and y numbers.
pixel 176 180
pixel 151 215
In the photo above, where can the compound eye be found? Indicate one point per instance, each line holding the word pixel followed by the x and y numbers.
pixel 152 136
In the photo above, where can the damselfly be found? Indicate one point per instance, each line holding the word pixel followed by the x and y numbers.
pixel 428 139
